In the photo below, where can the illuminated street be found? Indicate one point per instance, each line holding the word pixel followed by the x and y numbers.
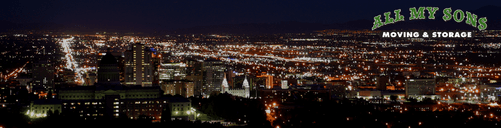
pixel 71 63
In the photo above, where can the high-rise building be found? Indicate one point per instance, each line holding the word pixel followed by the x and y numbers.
pixel 108 101
pixel 43 74
pixel 213 74
pixel 194 72
pixel 138 66
pixel 172 71
pixel 419 87
pixel 269 80
pixel 156 58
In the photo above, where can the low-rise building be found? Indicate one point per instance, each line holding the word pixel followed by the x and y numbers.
pixel 419 87
pixel 41 108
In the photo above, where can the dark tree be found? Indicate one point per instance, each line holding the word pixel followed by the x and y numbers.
pixel 393 98
pixel 166 114
pixel 412 100
pixel 56 112
pixel 50 113
pixel 49 94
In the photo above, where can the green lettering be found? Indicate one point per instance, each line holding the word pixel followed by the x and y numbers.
pixel 482 23
pixel 377 22
pixel 461 17
pixel 416 14
pixel 447 14
pixel 472 19
pixel 388 19
pixel 398 17
pixel 431 12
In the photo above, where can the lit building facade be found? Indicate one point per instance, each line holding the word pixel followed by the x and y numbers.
pixel 194 72
pixel 138 66
pixel 242 92
pixel 40 108
pixel 172 71
pixel 133 107
pixel 419 87
pixel 108 100
pixel 184 88
pixel 269 80
pixel 213 76
pixel 181 109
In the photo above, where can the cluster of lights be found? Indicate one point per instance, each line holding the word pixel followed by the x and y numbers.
pixel 15 72
pixel 35 115
pixel 71 64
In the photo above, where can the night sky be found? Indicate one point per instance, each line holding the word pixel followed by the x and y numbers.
pixel 167 14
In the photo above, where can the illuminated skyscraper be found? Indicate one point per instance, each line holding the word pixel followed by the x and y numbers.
pixel 213 75
pixel 138 66
pixel 172 71
pixel 194 72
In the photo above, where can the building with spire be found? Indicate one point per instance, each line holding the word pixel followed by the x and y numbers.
pixel 225 85
pixel 241 92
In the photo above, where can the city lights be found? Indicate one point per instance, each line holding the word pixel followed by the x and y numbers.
pixel 301 79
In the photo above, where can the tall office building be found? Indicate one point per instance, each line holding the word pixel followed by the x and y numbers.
pixel 108 101
pixel 172 71
pixel 138 66
pixel 194 72
pixel 156 58
pixel 213 74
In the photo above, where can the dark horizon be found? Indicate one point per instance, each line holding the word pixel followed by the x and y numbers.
pixel 167 16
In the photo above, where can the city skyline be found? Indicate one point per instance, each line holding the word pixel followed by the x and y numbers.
pixel 267 64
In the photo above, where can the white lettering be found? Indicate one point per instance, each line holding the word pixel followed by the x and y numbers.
pixel 386 34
